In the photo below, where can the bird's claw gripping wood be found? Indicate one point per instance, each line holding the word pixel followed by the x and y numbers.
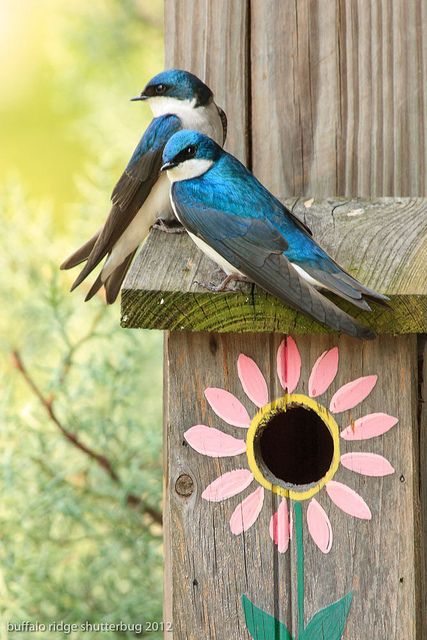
pixel 224 285
pixel 168 227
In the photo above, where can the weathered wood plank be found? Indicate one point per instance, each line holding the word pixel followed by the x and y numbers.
pixel 220 56
pixel 382 242
pixel 422 416
pixel 210 39
pixel 338 97
pixel 211 568
pixel 167 532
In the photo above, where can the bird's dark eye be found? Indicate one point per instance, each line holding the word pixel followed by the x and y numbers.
pixel 186 154
pixel 160 88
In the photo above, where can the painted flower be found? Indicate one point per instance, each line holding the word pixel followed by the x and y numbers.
pixel 292 444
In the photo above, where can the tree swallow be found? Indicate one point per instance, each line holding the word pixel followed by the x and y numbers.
pixel 178 100
pixel 232 217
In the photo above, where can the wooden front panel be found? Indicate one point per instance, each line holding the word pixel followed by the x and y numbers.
pixel 210 568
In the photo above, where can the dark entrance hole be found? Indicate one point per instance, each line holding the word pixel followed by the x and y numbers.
pixel 295 447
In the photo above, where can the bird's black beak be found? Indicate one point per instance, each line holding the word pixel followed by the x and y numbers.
pixel 169 165
pixel 140 97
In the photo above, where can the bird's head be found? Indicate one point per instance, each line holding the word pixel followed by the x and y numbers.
pixel 189 154
pixel 173 89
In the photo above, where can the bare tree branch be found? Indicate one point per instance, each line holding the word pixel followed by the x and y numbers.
pixel 47 403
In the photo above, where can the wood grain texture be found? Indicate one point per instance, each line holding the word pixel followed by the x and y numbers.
pixel 211 568
pixel 382 242
pixel 422 417
pixel 210 38
pixel 346 86
pixel 167 532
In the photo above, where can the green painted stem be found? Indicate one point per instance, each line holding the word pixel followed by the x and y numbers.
pixel 300 566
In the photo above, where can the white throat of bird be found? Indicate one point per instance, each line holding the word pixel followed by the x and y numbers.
pixel 189 169
pixel 162 105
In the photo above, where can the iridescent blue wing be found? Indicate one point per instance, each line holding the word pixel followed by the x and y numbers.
pixel 231 218
pixel 144 166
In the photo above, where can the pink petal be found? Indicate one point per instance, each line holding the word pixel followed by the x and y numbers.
pixel 288 364
pixel 370 426
pixel 319 526
pixel 370 464
pixel 323 373
pixel 348 500
pixel 253 382
pixel 228 485
pixel 227 407
pixel 280 527
pixel 246 513
pixel 352 393
pixel 212 442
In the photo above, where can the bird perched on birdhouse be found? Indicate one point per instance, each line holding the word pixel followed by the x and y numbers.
pixel 232 217
pixel 178 100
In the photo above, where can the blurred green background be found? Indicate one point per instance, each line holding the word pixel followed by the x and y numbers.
pixel 80 401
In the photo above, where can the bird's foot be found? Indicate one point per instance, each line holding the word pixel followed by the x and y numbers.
pixel 218 273
pixel 224 285
pixel 168 227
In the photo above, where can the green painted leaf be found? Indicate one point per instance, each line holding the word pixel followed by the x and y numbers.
pixel 329 623
pixel 261 625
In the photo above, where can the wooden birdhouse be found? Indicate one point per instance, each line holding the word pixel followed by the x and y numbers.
pixel 294 458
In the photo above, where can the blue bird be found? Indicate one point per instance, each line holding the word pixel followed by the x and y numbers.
pixel 232 217
pixel 178 100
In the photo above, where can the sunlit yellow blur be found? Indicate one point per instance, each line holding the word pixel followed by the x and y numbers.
pixel 32 130
pixel 50 80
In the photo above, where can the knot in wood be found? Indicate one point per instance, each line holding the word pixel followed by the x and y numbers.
pixel 184 486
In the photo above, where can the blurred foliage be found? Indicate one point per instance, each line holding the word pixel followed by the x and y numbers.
pixel 79 540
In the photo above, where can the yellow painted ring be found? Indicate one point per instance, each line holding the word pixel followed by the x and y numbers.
pixel 263 414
